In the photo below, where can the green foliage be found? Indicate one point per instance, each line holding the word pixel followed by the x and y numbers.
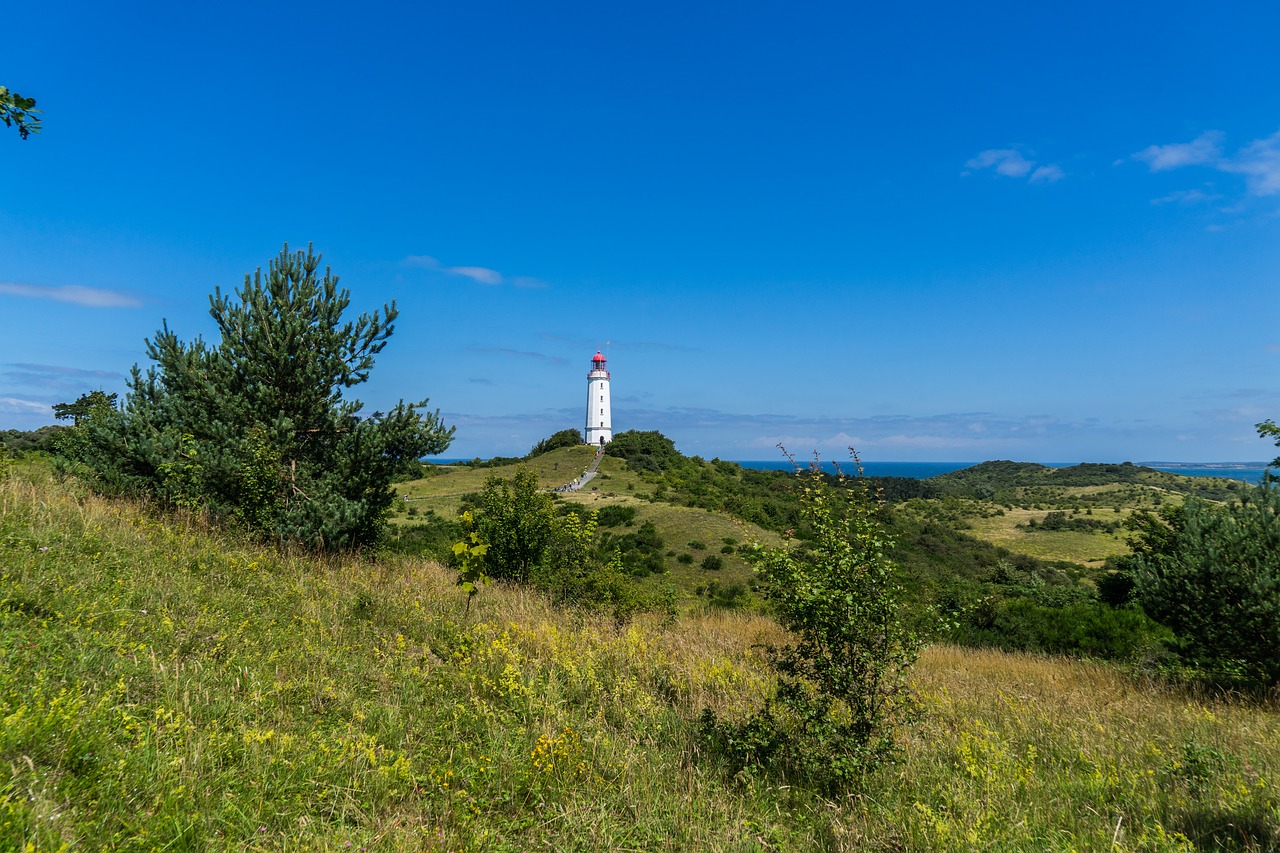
pixel 256 428
pixel 1058 520
pixel 563 438
pixel 712 563
pixel 529 542
pixel 617 515
pixel 428 535
pixel 1213 577
pixel 468 558
pixel 1269 429
pixel 639 553
pixel 42 439
pixel 19 111
pixel 1015 481
pixel 1030 620
pixel 645 451
pixel 842 690
pixel 95 402
pixel 517 521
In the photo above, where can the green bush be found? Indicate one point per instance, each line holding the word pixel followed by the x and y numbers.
pixel 1212 574
pixel 563 438
pixel 712 563
pixel 617 515
pixel 842 693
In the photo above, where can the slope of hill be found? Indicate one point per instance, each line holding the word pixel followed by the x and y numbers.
pixel 164 686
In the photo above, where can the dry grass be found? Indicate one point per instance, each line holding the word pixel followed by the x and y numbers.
pixel 165 686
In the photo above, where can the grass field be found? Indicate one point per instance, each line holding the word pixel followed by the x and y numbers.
pixel 1011 531
pixel 1015 524
pixel 168 687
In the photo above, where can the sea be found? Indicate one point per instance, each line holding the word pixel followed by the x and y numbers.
pixel 1249 472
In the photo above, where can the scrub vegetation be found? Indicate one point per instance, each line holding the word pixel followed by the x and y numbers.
pixel 170 685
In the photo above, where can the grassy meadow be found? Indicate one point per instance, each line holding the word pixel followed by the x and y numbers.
pixel 168 687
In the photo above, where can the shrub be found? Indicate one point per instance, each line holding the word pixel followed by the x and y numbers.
pixel 842 691
pixel 1212 574
pixel 563 438
pixel 617 515
pixel 712 563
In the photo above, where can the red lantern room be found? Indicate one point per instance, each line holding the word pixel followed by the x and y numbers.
pixel 598 364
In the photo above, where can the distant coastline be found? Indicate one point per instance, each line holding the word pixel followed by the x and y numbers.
pixel 1249 472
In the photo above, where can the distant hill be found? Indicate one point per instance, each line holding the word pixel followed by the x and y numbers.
pixel 1002 477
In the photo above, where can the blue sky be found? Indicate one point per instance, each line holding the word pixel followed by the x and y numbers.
pixel 935 231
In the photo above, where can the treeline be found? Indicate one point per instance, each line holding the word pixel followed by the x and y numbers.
pixel 1002 480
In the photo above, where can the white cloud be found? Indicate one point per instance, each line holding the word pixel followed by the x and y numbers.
pixel 480 275
pixel 1005 161
pixel 483 275
pixel 1012 164
pixel 1259 162
pixel 1204 149
pixel 425 262
pixel 1047 174
pixel 88 297
pixel 18 406
pixel 1186 197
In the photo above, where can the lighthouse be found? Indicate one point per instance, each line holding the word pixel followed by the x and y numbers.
pixel 599 429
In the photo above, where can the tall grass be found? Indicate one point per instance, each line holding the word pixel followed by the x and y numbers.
pixel 167 686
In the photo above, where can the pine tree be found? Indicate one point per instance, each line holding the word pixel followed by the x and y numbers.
pixel 1213 576
pixel 257 428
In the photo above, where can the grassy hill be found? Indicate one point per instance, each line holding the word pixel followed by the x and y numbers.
pixel 168 687
pixel 693 532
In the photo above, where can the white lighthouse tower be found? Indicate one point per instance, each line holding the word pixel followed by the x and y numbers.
pixel 599 429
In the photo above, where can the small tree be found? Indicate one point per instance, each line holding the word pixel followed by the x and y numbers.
pixel 1212 575
pixel 842 690
pixel 84 406
pixel 517 522
pixel 256 427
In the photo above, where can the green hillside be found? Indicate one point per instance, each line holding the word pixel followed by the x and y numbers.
pixel 164 686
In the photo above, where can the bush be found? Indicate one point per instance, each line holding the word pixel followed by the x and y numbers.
pixel 563 438
pixel 1212 575
pixel 712 563
pixel 842 690
pixel 645 451
pixel 617 515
